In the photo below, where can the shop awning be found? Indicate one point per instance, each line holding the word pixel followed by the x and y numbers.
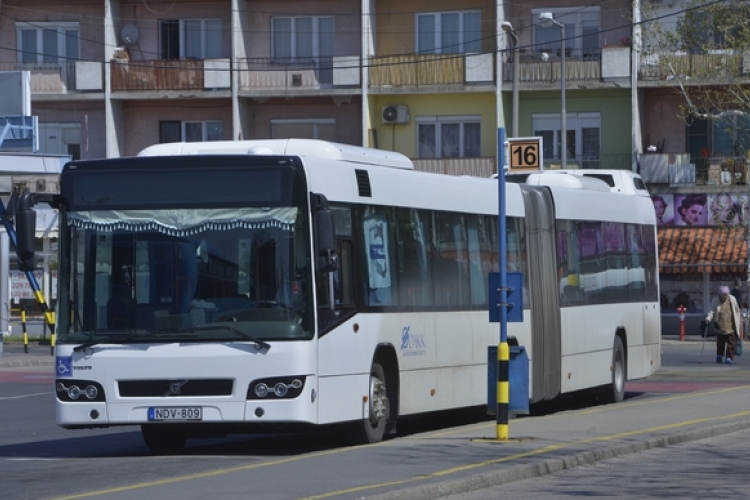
pixel 705 249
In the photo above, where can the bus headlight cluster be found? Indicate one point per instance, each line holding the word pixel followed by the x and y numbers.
pixel 279 388
pixel 79 390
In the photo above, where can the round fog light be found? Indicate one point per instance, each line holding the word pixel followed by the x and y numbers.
pixel 91 392
pixel 74 392
pixel 261 390
pixel 280 389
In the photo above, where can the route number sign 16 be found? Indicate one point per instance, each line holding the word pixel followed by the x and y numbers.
pixel 525 154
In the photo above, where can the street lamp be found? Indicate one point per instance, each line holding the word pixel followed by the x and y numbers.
pixel 508 28
pixel 547 20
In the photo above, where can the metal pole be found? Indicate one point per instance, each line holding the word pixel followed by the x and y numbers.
pixel 508 28
pixel 516 78
pixel 563 118
pixel 503 352
pixel 4 288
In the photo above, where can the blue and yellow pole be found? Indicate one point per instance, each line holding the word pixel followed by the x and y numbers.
pixel 49 316
pixel 503 351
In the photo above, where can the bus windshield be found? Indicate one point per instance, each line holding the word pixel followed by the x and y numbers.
pixel 194 274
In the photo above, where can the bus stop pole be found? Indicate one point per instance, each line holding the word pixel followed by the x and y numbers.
pixel 503 352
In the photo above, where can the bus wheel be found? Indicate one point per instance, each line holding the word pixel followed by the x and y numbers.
pixel 164 438
pixel 374 427
pixel 616 390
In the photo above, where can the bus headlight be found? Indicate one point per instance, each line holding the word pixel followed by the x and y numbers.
pixel 78 390
pixel 261 390
pixel 283 388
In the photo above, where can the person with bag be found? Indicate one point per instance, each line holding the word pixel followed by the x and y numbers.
pixel 726 312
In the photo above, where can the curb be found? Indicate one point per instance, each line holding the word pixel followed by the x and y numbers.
pixel 553 465
pixel 17 362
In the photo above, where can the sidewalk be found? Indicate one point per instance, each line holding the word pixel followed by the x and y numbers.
pixel 13 355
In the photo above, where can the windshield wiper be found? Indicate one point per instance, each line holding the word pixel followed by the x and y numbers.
pixel 117 337
pixel 237 332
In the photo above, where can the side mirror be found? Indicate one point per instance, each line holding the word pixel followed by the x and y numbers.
pixel 25 238
pixel 325 236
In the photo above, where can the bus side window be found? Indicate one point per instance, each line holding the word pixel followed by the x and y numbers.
pixel 378 237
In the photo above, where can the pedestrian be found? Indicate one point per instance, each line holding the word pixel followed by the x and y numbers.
pixel 727 313
pixel 737 291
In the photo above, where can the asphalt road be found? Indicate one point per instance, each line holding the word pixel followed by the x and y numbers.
pixel 445 454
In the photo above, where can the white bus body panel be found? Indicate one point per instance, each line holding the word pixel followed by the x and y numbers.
pixel 241 362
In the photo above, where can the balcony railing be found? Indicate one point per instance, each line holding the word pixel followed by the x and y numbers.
pixel 533 71
pixel 476 167
pixel 695 66
pixel 431 69
pixel 157 75
pixel 287 73
pixel 61 78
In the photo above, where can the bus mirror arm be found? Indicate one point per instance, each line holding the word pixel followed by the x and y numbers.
pixel 26 226
pixel 325 235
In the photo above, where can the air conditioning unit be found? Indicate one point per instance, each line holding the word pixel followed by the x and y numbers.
pixel 395 114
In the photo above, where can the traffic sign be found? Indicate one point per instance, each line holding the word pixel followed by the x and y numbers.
pixel 525 154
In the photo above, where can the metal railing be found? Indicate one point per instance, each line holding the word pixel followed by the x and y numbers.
pixel 696 66
pixel 417 70
pixel 285 73
pixel 477 166
pixel 157 75
pixel 47 77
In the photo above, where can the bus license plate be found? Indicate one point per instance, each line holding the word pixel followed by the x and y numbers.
pixel 175 413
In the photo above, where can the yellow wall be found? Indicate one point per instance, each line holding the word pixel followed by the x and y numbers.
pixel 467 104
pixel 395 23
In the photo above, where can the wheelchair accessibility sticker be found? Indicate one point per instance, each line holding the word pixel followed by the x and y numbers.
pixel 64 366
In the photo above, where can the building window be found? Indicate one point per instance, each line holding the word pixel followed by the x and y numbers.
pixel 581 32
pixel 449 32
pixel 448 136
pixel 190 38
pixel 302 39
pixel 47 42
pixel 321 128
pixel 192 131
pixel 583 137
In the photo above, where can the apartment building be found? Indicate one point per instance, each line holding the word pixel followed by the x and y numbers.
pixel 429 79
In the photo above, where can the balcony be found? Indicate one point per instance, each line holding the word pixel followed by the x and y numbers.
pixel 696 67
pixel 181 75
pixel 431 70
pixel 533 71
pixel 61 78
pixel 275 75
pixel 475 167
pixel 680 170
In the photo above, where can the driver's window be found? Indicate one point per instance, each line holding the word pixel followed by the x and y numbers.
pixel 341 280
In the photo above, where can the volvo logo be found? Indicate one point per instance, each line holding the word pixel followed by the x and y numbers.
pixel 175 388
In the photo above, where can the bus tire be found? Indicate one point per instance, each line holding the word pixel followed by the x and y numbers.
pixel 616 390
pixel 164 439
pixel 374 427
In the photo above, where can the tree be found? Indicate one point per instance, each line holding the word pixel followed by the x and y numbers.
pixel 706 53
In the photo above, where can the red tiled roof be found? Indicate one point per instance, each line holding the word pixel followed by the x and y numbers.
pixel 705 249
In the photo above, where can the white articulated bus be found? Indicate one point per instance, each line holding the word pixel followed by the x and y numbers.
pixel 208 288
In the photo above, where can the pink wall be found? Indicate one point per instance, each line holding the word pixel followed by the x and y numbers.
pixel 141 119
pixel 662 120
pixel 348 116
pixel 346 20
pixel 146 19
pixel 90 116
pixel 90 20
